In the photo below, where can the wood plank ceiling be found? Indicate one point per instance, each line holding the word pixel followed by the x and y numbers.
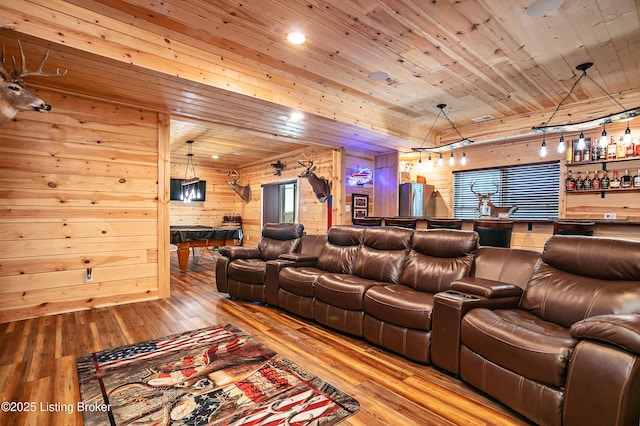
pixel 226 73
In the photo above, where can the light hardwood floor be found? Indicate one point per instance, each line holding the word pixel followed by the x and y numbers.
pixel 38 358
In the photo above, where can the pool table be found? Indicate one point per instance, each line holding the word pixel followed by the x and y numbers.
pixel 185 237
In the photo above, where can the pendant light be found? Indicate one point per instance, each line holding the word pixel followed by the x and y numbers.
pixel 561 145
pixel 603 138
pixel 626 139
pixel 453 145
pixel 190 187
pixel 543 148
pixel 625 114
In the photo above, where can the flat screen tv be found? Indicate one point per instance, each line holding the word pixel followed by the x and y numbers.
pixel 176 189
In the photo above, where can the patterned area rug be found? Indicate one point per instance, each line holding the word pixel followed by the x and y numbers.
pixel 213 376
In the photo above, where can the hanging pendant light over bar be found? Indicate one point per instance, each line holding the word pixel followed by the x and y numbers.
pixel 450 146
pixel 624 114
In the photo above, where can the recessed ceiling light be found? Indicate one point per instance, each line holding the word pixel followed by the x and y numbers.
pixel 215 157
pixel 296 115
pixel 378 76
pixel 296 37
pixel 542 7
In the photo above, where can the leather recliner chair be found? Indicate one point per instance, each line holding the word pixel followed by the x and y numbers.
pixel 241 271
pixel 398 314
pixel 568 353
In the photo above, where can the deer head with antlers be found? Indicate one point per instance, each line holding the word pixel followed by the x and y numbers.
pixel 320 185
pixel 14 95
pixel 243 191
pixel 486 209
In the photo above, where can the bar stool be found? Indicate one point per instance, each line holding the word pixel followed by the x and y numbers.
pixel 403 222
pixel 367 221
pixel 444 223
pixel 573 228
pixel 496 233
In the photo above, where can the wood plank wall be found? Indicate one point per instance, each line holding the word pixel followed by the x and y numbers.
pixel 312 213
pixel 78 189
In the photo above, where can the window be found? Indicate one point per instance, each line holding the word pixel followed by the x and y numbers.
pixel 280 202
pixel 534 188
pixel 289 202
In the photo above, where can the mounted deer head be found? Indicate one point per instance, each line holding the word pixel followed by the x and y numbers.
pixel 320 185
pixel 485 207
pixel 243 191
pixel 14 95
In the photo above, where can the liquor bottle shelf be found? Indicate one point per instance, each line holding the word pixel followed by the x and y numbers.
pixel 598 191
pixel 602 161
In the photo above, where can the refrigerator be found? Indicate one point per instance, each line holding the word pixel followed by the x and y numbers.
pixel 416 199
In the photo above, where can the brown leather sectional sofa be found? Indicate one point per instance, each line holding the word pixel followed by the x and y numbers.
pixel 553 335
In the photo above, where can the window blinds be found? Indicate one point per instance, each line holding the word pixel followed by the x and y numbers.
pixel 534 188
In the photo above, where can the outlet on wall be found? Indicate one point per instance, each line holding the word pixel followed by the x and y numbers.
pixel 609 215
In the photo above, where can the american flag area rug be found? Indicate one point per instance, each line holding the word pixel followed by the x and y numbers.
pixel 212 376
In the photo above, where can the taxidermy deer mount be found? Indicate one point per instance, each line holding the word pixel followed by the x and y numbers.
pixel 320 185
pixel 14 95
pixel 243 191
pixel 486 209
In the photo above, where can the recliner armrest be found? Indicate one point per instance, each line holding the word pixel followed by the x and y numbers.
pixel 299 257
pixel 622 330
pixel 239 252
pixel 487 288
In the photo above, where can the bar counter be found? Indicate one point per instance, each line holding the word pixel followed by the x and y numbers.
pixel 532 234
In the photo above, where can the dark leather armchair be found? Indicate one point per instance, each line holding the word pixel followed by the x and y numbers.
pixel 241 271
pixel 568 352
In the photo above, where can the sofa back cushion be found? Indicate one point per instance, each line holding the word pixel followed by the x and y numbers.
pixel 507 265
pixel 383 253
pixel 339 253
pixel 437 258
pixel 579 277
pixel 279 238
pixel 312 244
